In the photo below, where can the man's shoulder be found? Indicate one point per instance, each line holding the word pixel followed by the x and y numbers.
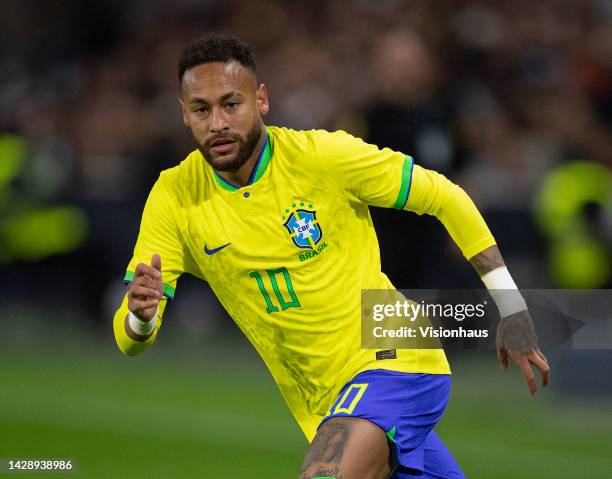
pixel 290 139
pixel 318 141
pixel 289 134
pixel 185 169
pixel 184 177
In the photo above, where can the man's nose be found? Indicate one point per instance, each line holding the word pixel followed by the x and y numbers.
pixel 218 120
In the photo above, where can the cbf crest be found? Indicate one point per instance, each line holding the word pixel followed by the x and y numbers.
pixel 300 220
pixel 302 224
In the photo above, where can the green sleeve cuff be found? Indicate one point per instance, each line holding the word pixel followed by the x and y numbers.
pixel 404 192
pixel 168 290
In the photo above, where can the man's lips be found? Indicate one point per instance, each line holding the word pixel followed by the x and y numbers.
pixel 223 145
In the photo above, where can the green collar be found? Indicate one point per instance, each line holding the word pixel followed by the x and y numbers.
pixel 258 170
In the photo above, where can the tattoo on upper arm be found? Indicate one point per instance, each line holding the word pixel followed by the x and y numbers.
pixel 327 448
pixel 487 260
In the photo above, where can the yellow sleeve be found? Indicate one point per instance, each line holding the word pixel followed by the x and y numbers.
pixel 365 173
pixel 158 234
pixel 127 345
pixel 383 177
pixel 433 194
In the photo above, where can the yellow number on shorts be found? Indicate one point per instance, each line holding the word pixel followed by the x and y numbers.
pixel 351 407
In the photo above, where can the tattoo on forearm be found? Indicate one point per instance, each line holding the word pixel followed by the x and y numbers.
pixel 326 451
pixel 487 260
pixel 516 332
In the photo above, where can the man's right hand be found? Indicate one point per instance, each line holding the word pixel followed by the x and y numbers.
pixel 145 292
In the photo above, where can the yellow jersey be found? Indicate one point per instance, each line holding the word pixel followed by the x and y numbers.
pixel 289 253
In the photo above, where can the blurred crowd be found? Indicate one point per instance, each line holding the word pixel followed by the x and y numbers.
pixel 496 95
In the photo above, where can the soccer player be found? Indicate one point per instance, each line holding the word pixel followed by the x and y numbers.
pixel 277 222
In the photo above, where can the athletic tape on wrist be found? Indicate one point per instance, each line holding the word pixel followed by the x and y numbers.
pixel 142 328
pixel 504 291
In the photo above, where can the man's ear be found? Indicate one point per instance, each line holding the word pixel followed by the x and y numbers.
pixel 185 115
pixel 261 97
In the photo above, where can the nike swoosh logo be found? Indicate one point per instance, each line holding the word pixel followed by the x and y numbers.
pixel 214 250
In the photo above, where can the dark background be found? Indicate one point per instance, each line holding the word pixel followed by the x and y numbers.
pixel 511 100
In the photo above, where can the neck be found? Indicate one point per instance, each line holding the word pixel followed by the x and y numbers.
pixel 241 176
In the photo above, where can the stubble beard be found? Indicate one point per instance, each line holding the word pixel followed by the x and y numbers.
pixel 246 147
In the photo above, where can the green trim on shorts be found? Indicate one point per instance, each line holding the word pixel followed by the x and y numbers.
pixel 391 434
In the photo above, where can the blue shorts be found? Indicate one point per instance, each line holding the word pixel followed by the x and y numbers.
pixel 406 407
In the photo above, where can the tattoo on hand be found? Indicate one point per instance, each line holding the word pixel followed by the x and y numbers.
pixel 516 332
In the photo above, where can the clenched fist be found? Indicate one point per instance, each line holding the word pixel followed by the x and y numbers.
pixel 145 292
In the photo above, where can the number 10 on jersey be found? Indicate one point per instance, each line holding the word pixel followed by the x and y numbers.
pixel 283 275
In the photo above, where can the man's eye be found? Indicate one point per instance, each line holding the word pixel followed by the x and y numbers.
pixel 231 104
pixel 200 110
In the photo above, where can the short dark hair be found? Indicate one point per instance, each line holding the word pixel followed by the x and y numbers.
pixel 215 47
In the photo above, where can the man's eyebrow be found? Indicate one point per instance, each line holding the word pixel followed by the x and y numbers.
pixel 223 98
pixel 198 100
pixel 231 94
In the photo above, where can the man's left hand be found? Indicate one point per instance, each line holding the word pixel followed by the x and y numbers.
pixel 517 339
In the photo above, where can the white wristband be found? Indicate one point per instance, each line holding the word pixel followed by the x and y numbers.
pixel 142 328
pixel 504 291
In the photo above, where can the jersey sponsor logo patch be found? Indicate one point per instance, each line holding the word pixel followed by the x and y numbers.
pixel 386 354
pixel 212 251
pixel 302 225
